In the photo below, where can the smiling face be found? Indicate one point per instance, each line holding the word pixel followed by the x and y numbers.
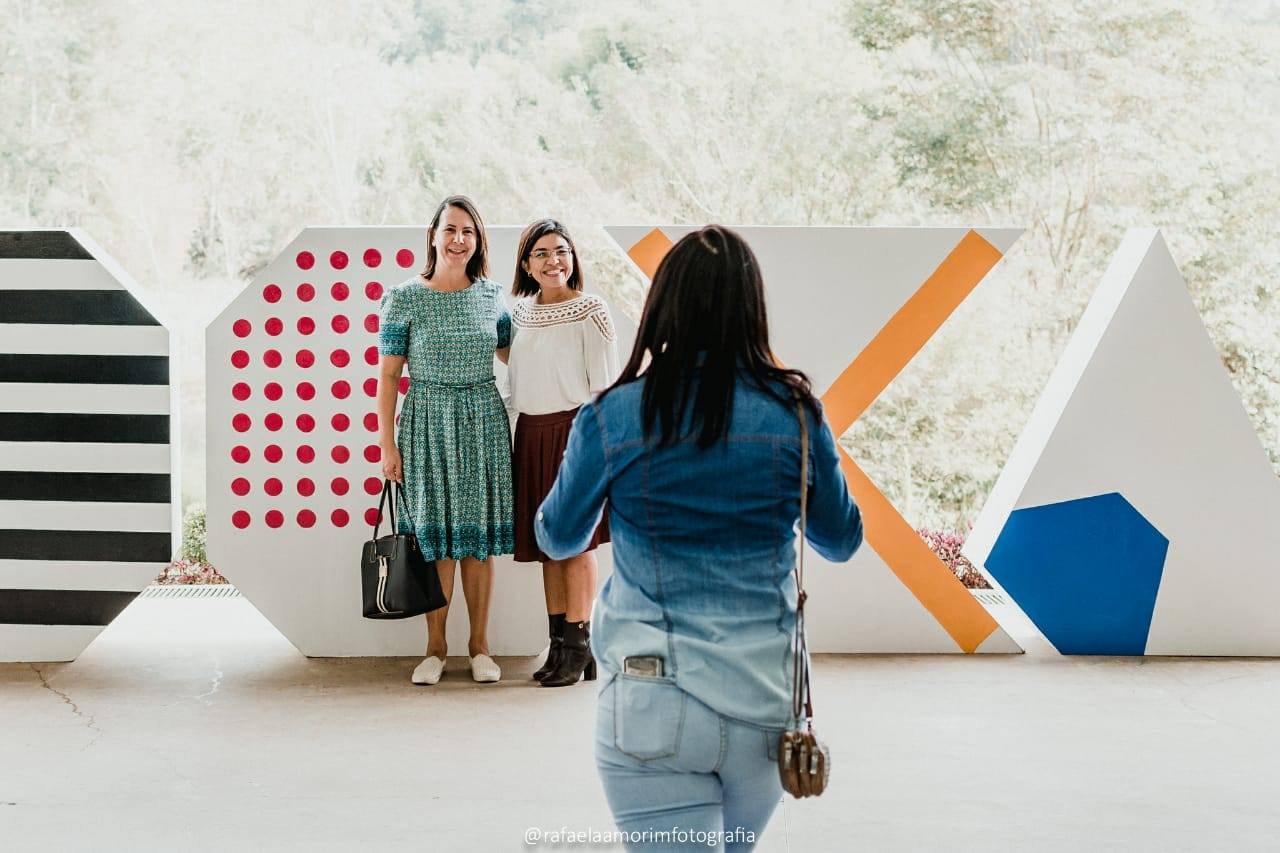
pixel 550 262
pixel 455 238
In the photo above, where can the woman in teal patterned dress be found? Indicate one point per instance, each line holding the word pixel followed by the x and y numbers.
pixel 454 450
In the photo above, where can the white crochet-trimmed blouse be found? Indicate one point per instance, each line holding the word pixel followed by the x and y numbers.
pixel 561 354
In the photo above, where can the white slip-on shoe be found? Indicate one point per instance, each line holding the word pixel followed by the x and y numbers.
pixel 484 669
pixel 429 671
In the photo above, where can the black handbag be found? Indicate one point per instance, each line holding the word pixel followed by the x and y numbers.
pixel 396 580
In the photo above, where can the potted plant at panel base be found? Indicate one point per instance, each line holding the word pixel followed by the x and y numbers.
pixel 946 546
pixel 192 564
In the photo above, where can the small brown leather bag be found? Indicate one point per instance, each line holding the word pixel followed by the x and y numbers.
pixel 804 764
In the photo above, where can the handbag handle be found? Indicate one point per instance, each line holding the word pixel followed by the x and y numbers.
pixel 391 506
pixel 801 697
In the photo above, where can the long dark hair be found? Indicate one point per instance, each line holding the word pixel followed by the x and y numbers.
pixel 478 265
pixel 706 305
pixel 525 284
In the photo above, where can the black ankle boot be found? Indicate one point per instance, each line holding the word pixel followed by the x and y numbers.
pixel 575 657
pixel 555 628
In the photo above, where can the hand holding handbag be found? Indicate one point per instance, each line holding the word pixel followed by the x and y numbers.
pixel 804 763
pixel 395 579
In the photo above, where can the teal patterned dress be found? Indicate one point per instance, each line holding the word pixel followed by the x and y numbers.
pixel 454 434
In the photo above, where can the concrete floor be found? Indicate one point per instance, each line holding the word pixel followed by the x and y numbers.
pixel 192 725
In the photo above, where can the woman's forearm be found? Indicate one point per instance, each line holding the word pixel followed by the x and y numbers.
pixel 388 386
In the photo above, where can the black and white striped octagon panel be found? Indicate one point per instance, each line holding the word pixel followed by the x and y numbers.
pixel 86 493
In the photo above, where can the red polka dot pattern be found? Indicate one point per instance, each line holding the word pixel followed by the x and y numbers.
pixel 339 291
pixel 373 486
pixel 241 422
pixel 371 323
pixel 371 421
pixel 306 423
pixel 340 454
pixel 273 486
pixel 273 391
pixel 340 422
pixel 273 421
pixel 371 387
pixel 274 518
pixel 306 487
pixel 274 326
pixel 240 486
pixel 240 519
pixel 240 359
pixel 371 355
pixel 242 328
pixel 306 391
pixel 339 518
pixel 372 257
pixel 338 260
pixel 306 260
pixel 306 454
pixel 240 454
pixel 371 516
pixel 340 323
pixel 404 258
pixel 306 292
pixel 272 358
pixel 341 389
pixel 306 325
pixel 306 518
pixel 273 453
pixel 240 391
pixel 305 358
pixel 340 358
pixel 373 290
pixel 404 384
pixel 271 293
pixel 373 453
pixel 340 486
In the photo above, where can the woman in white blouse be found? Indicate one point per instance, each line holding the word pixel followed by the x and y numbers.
pixel 563 351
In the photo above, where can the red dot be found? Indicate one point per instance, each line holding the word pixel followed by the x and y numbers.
pixel 371 323
pixel 274 518
pixel 340 323
pixel 404 258
pixel 240 486
pixel 306 487
pixel 273 453
pixel 306 390
pixel 271 358
pixel 240 519
pixel 371 387
pixel 371 422
pixel 340 485
pixel 274 326
pixel 340 422
pixel 371 516
pixel 341 389
pixel 239 358
pixel 271 293
pixel 373 290
pixel 273 487
pixel 306 292
pixel 242 328
pixel 340 358
pixel 306 518
pixel 373 486
pixel 339 291
pixel 340 454
pixel 273 421
pixel 306 325
pixel 404 384
pixel 372 257
pixel 306 453
pixel 339 518
pixel 240 391
pixel 338 260
pixel 306 423
pixel 273 391
pixel 306 260
pixel 373 453
pixel 241 422
pixel 371 355
pixel 305 358
pixel 240 454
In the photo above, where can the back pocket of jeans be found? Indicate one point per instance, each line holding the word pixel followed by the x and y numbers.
pixel 648 715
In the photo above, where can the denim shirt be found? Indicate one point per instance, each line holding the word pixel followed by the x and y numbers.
pixel 703 543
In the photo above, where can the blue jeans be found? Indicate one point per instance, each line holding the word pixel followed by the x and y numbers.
pixel 672 765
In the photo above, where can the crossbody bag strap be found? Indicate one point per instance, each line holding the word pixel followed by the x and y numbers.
pixel 801 698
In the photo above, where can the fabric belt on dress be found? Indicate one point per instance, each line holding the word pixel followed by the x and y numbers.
pixel 448 386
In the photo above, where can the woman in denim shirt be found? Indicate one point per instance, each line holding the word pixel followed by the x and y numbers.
pixel 697 450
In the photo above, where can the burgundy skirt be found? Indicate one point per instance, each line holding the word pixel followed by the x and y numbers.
pixel 535 461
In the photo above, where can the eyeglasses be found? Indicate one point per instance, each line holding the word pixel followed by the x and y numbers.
pixel 561 254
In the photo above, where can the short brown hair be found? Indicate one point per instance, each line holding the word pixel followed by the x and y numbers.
pixel 524 284
pixel 478 265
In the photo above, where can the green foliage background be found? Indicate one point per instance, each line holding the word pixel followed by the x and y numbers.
pixel 195 140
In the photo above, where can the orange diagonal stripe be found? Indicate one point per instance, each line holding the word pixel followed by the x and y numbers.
pixel 905 553
pixel 649 251
pixel 908 330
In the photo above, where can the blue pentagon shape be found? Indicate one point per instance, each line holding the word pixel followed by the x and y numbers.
pixel 1085 571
